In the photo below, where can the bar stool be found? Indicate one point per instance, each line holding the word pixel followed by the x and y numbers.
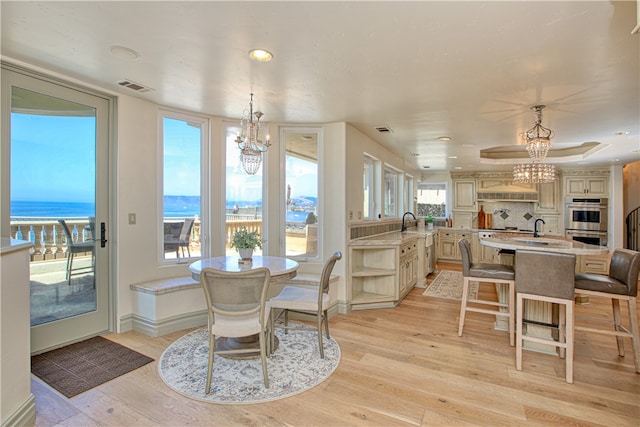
pixel 489 273
pixel 548 277
pixel 620 285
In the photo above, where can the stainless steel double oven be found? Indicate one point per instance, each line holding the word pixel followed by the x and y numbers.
pixel 586 220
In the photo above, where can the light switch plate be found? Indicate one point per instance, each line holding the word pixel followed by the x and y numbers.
pixel 132 218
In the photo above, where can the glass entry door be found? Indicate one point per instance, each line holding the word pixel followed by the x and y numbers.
pixel 58 201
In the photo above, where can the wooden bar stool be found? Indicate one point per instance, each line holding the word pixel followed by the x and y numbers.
pixel 620 285
pixel 547 277
pixel 489 273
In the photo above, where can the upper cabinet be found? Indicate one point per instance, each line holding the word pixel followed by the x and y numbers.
pixel 549 200
pixel 593 183
pixel 464 195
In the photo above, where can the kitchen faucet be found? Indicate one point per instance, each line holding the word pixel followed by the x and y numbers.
pixel 535 227
pixel 404 227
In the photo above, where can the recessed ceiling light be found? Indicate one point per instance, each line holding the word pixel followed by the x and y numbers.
pixel 458 167
pixel 452 157
pixel 622 132
pixel 260 55
pixel 444 138
pixel 426 167
pixel 416 155
pixel 124 53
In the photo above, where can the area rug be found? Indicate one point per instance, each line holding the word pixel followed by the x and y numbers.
pixel 448 284
pixel 295 366
pixel 79 367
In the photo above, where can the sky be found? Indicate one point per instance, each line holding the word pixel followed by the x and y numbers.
pixel 53 159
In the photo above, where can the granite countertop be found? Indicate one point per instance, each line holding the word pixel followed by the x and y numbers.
pixel 393 238
pixel 559 244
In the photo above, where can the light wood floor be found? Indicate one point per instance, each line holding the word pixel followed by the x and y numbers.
pixel 401 366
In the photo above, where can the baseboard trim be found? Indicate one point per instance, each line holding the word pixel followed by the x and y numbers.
pixel 25 415
pixel 158 328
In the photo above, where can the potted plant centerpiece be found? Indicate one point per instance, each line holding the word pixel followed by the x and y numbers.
pixel 245 242
pixel 429 220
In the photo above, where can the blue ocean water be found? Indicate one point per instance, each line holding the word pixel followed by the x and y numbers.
pixel 174 207
pixel 42 209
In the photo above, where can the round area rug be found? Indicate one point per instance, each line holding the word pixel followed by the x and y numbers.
pixel 296 366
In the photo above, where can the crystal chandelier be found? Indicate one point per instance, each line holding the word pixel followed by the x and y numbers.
pixel 250 141
pixel 534 173
pixel 538 142
pixel 538 138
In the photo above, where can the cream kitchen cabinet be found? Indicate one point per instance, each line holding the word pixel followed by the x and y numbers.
pixel 464 195
pixel 592 186
pixel 448 244
pixel 382 274
pixel 549 199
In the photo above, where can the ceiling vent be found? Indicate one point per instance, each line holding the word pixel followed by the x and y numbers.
pixel 133 86
pixel 384 129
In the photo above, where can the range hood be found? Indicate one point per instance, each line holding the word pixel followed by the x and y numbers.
pixel 500 187
pixel 507 196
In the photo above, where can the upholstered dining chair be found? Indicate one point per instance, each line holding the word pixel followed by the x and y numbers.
pixel 486 273
pixel 620 285
pixel 74 248
pixel 313 302
pixel 237 307
pixel 546 277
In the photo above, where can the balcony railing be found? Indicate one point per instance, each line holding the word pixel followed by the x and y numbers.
pixel 49 242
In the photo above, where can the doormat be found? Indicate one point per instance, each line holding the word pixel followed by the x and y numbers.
pixel 448 284
pixel 79 367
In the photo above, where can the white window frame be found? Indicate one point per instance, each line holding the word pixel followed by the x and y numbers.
pixel 283 191
pixel 204 125
pixel 369 179
pixel 395 190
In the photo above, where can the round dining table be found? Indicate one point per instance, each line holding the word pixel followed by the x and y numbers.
pixel 281 270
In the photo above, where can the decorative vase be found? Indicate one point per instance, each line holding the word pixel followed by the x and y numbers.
pixel 245 253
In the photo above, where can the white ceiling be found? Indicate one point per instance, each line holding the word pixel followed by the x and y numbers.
pixel 467 70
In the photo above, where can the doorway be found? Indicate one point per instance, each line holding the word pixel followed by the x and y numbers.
pixel 57 183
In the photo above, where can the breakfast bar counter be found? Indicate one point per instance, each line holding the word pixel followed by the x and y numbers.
pixel 537 311
pixel 515 241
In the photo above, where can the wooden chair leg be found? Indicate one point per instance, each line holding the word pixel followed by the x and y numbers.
pixel 319 330
pixel 635 332
pixel 617 324
pixel 512 309
pixel 569 339
pixel 463 304
pixel 519 309
pixel 263 356
pixel 212 343
pixel 562 328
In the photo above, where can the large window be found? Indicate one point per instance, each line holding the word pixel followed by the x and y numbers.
pixel 243 194
pixel 183 140
pixel 432 198
pixel 302 218
pixel 369 188
pixel 390 192
pixel 407 193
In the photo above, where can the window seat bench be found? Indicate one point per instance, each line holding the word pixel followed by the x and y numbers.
pixel 167 305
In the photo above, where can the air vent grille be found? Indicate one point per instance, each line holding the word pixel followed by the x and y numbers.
pixel 384 129
pixel 133 86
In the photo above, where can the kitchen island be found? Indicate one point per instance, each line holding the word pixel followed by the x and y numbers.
pixel 515 241
pixel 536 311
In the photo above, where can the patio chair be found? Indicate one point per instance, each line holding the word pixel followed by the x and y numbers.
pixel 74 248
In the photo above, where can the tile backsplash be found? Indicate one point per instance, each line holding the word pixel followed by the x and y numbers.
pixel 511 214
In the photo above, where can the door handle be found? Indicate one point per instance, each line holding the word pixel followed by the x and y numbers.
pixel 103 230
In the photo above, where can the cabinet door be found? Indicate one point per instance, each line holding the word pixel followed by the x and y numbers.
pixel 575 186
pixel 464 195
pixel 447 249
pixel 548 198
pixel 596 186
